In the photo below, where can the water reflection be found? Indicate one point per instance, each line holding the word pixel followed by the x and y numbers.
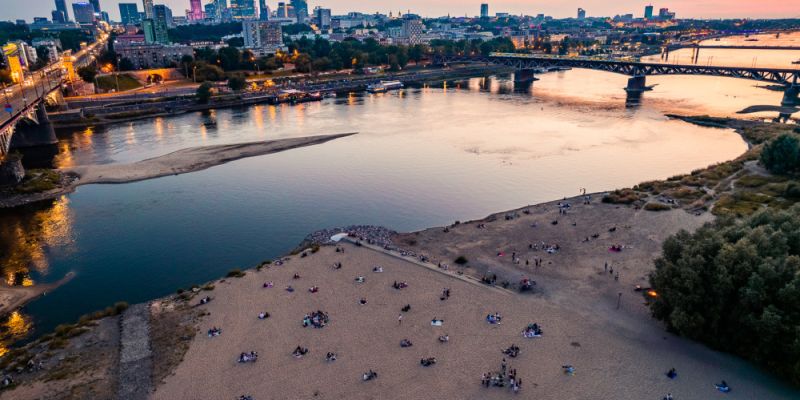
pixel 13 327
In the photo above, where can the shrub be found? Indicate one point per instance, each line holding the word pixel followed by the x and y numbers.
pixel 460 260
pixel 781 155
pixel 204 93
pixel 235 273
pixel 623 196
pixel 656 207
pixel 792 191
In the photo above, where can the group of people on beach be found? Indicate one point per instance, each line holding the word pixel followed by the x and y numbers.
pixel 505 378
pixel 316 319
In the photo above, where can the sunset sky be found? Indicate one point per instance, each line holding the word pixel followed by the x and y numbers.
pixel 27 9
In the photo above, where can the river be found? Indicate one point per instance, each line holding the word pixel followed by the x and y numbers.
pixel 423 157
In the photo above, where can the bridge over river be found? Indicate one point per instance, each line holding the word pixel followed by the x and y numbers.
pixel 527 65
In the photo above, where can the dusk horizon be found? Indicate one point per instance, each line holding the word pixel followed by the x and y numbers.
pixel 709 9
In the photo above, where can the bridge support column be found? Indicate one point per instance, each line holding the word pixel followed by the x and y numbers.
pixel 36 141
pixel 524 75
pixel 636 86
pixel 791 96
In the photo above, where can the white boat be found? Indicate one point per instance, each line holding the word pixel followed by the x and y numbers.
pixel 384 86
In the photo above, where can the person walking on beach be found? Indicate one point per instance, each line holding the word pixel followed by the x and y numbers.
pixel 399 319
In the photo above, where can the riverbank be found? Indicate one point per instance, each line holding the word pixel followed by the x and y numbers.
pixel 14 297
pixel 175 163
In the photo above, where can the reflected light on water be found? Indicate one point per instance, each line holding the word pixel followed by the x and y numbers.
pixel 15 327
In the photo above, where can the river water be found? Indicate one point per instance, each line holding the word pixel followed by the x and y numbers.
pixel 423 157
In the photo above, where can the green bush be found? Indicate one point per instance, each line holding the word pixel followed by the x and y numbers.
pixel 735 285
pixel 204 93
pixel 656 207
pixel 235 273
pixel 781 155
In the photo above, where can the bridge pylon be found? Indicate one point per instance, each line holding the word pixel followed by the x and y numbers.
pixel 34 133
pixel 791 96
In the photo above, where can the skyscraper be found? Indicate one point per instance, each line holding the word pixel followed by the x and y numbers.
pixel 96 5
pixel 300 10
pixel 322 17
pixel 581 13
pixel 148 8
pixel 195 11
pixel 84 12
pixel 58 16
pixel 263 10
pixel 484 10
pixel 648 12
pixel 61 5
pixel 161 15
pixel 281 12
pixel 243 9
pixel 129 13
pixel 221 8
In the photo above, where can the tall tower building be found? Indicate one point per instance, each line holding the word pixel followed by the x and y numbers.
pixel 61 5
pixel 161 15
pixel 263 10
pixel 243 9
pixel 129 13
pixel 484 10
pixel 581 13
pixel 648 12
pixel 300 10
pixel 195 10
pixel 148 8
pixel 84 12
pixel 96 5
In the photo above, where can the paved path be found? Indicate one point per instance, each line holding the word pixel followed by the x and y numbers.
pixel 135 364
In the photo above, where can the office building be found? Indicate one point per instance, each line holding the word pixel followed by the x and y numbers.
pixel 61 5
pixel 50 44
pixel 129 13
pixel 96 5
pixel 648 12
pixel 413 29
pixel 84 12
pixel 581 13
pixel 58 17
pixel 243 9
pixel 104 17
pixel 161 17
pixel 148 8
pixel 262 37
pixel 322 17
pixel 263 10
pixel 300 10
pixel 222 11
pixel 210 11
pixel 665 15
pixel 484 10
pixel 195 12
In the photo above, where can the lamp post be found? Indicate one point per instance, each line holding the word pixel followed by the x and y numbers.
pixel 194 74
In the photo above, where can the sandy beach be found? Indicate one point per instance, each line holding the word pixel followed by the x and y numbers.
pixel 618 353
pixel 13 297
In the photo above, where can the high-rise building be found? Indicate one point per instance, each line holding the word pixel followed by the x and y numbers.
pixel 263 10
pixel 210 10
pixel 413 29
pixel 84 12
pixel 129 13
pixel 58 17
pixel 161 15
pixel 104 17
pixel 243 9
pixel 648 12
pixel 266 36
pixel 322 17
pixel 282 11
pixel 484 10
pixel 195 11
pixel 61 5
pixel 96 5
pixel 664 14
pixel 581 13
pixel 148 8
pixel 221 9
pixel 300 10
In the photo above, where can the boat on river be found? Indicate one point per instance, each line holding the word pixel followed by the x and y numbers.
pixel 384 86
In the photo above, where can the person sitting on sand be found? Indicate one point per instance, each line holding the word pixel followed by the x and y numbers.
pixel 377 269
pixel 406 343
pixel 289 289
pixel 214 332
pixel 313 289
pixel 205 300
pixel 263 315
pixel 437 322
pixel 268 285
pixel 330 357
pixel 337 265
pixel 406 308
pixel 360 279
pixel 299 352
pixel 296 276
pixel 723 387
pixel 444 338
pixel 568 369
pixel 427 362
pixel 363 301
pixel 672 374
pixel 370 375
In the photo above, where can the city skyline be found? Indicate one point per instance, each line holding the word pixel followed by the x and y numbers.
pixel 564 9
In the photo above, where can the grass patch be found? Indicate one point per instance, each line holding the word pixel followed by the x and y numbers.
pixel 235 273
pixel 38 180
pixel 622 196
pixel 126 82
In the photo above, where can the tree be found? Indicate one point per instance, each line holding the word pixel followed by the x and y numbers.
pixel 207 72
pixel 204 93
pixel 87 73
pixel 126 64
pixel 236 83
pixel 416 53
pixel 43 54
pixel 781 155
pixel 229 58
pixel 302 63
pixel 735 285
pixel 5 76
